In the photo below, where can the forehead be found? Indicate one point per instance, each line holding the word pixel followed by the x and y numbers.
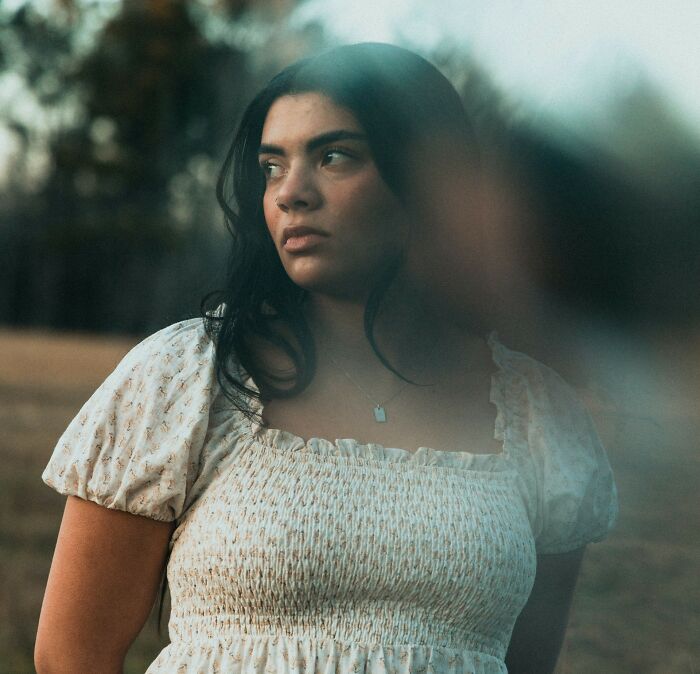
pixel 298 117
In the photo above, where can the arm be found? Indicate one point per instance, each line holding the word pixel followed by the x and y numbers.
pixel 539 631
pixel 102 585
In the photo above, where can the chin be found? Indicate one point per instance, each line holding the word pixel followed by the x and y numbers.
pixel 330 285
pixel 324 276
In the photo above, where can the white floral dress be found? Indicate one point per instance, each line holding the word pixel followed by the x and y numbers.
pixel 308 557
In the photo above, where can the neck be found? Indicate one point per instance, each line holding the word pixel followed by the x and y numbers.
pixel 406 329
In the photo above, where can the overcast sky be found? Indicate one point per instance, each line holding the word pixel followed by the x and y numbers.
pixel 556 55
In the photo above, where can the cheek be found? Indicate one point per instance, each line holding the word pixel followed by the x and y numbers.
pixel 384 215
pixel 270 212
pixel 373 205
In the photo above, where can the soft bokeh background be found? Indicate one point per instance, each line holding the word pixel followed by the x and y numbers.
pixel 114 118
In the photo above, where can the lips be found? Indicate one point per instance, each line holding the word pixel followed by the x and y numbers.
pixel 290 232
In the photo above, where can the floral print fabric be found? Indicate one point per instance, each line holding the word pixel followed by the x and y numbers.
pixel 294 555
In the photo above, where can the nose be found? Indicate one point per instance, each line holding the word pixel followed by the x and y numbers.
pixel 298 190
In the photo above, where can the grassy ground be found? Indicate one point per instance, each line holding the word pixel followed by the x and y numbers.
pixel 636 608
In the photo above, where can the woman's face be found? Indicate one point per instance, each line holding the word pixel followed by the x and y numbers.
pixel 320 175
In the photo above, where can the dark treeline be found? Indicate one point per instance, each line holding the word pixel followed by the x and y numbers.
pixel 121 232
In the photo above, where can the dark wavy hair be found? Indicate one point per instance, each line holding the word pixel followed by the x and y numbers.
pixel 400 100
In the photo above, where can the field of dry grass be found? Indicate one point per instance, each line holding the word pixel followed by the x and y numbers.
pixel 638 600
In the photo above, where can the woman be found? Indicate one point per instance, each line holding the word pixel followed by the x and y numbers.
pixel 465 479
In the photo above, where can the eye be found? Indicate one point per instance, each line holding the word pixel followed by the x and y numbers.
pixel 335 155
pixel 271 169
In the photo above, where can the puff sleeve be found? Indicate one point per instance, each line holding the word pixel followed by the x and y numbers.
pixel 562 468
pixel 576 492
pixel 135 444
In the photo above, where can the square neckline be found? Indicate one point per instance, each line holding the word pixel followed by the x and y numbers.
pixel 282 440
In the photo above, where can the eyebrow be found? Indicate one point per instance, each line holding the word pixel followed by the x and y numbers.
pixel 316 142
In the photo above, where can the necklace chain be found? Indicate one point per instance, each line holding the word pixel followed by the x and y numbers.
pixel 367 395
pixel 379 411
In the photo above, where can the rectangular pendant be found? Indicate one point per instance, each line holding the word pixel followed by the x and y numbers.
pixel 379 414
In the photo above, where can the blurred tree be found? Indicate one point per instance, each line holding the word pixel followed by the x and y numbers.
pixel 152 98
pixel 621 213
pixel 132 109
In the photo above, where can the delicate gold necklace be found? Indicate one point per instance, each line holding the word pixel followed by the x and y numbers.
pixel 379 408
